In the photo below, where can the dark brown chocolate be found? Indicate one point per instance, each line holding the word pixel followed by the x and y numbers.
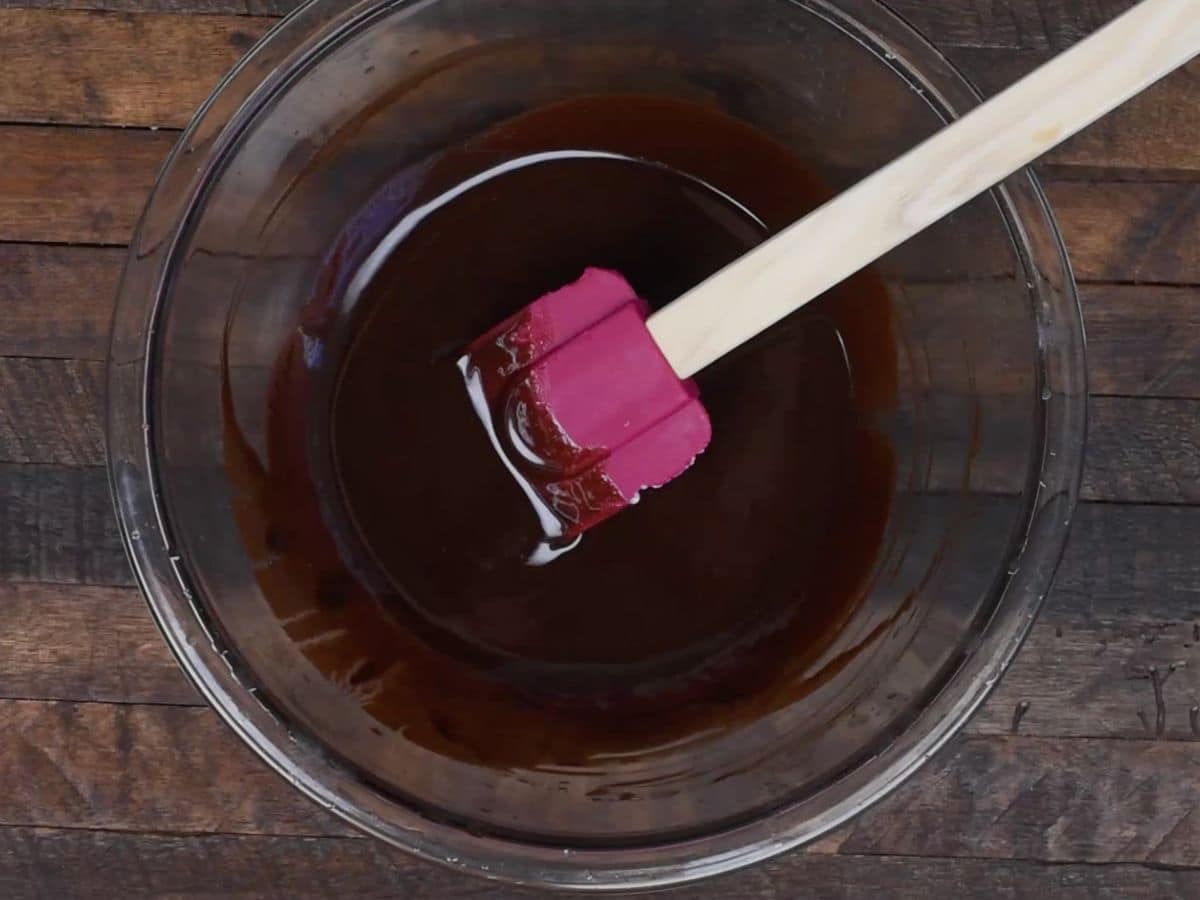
pixel 388 513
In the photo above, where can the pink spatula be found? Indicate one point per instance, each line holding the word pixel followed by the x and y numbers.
pixel 589 398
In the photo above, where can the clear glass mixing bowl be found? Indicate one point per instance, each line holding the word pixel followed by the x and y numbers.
pixel 989 430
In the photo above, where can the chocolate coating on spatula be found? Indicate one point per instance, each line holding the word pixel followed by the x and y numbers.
pixel 582 406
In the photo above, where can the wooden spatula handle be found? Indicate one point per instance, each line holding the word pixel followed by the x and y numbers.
pixel 910 194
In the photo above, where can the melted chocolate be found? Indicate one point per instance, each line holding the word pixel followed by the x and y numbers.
pixel 383 512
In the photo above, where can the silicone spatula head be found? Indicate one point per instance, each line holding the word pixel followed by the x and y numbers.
pixel 581 404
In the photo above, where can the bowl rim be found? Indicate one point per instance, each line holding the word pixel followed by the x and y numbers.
pixel 284 53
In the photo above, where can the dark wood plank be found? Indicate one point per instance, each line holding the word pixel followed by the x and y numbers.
pixel 178 770
pixel 57 301
pixel 1143 451
pixel 83 643
pixel 1082 672
pixel 1066 23
pixel 1127 600
pixel 1126 597
pixel 36 864
pixel 1115 231
pixel 1124 613
pixel 57 525
pixel 1042 799
pixel 1013 25
pixel 89 185
pixel 271 8
pixel 1117 612
pixel 84 185
pixel 141 768
pixel 1143 341
pixel 1135 561
pixel 1081 676
pixel 131 69
pixel 1134 677
pixel 1127 232
pixel 149 69
pixel 40 864
pixel 51 411
pixel 855 877
pixel 1010 24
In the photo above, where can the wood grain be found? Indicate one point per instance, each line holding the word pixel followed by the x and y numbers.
pixel 1042 799
pixel 1143 341
pixel 854 877
pixel 1132 561
pixel 57 301
pixel 41 864
pixel 1081 675
pixel 269 8
pixel 1143 451
pixel 177 770
pixel 148 768
pixel 94 68
pixel 129 69
pixel 36 864
pixel 1128 232
pixel 85 185
pixel 87 644
pixel 57 525
pixel 1011 24
pixel 987 24
pixel 89 185
pixel 1125 603
pixel 1129 676
pixel 51 411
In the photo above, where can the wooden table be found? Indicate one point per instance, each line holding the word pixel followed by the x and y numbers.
pixel 118 782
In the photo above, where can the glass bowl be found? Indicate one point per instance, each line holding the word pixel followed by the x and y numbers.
pixel 988 428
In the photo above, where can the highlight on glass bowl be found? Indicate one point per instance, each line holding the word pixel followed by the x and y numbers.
pixel 686 620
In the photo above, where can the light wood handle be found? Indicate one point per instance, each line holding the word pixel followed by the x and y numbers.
pixel 948 170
